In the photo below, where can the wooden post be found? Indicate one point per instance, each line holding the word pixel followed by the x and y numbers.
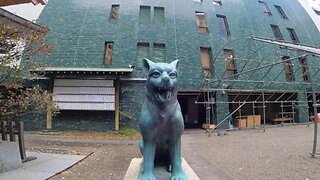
pixel 49 112
pixel 116 104
pixel 49 119
pixel 3 131
pixel 11 131
pixel 20 129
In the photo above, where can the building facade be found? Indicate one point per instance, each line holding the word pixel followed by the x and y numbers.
pixel 95 70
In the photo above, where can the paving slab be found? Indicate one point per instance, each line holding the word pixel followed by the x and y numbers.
pixel 46 165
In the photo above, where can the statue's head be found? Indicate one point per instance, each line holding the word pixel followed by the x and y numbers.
pixel 162 80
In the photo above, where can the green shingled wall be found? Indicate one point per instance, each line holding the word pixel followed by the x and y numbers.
pixel 79 29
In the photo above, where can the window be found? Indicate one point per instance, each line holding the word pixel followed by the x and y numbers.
pixel 276 32
pixel 206 56
pixel 201 22
pixel 304 68
pixel 158 15
pixel 144 14
pixel 159 52
pixel 217 2
pixel 223 26
pixel 108 52
pixel 114 13
pixel 316 11
pixel 229 62
pixel 265 8
pixel 198 1
pixel 281 12
pixel 142 52
pixel 288 68
pixel 293 35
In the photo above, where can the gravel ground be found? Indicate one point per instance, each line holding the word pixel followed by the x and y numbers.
pixel 277 153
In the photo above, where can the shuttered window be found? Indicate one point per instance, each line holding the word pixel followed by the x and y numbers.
pixel 206 56
pixel 114 12
pixel 158 15
pixel 144 14
pixel 201 22
pixel 108 53
pixel 142 52
pixel 229 61
pixel 159 52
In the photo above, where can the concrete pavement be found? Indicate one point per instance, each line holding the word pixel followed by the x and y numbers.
pixel 45 166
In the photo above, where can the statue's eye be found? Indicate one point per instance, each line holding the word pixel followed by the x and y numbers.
pixel 155 74
pixel 173 75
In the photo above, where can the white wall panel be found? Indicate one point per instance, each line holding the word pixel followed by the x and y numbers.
pixel 83 90
pixel 78 94
pixel 83 82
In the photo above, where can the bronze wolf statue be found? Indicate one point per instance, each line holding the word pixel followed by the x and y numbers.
pixel 161 122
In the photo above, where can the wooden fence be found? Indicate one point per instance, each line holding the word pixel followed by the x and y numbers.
pixel 13 129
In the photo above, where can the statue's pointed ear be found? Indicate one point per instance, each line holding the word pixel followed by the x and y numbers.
pixel 147 64
pixel 175 63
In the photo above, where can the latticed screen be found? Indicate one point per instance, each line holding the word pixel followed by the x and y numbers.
pixel 142 52
pixel 159 52
pixel 206 56
pixel 144 14
pixel 159 15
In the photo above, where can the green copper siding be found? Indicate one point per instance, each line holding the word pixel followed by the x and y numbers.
pixel 80 28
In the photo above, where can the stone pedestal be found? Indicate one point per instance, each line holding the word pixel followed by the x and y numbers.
pixel 160 172
pixel 9 156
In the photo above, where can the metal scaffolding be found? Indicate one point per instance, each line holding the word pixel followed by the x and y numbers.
pixel 264 77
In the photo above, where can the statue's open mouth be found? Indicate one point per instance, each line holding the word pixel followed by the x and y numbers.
pixel 164 94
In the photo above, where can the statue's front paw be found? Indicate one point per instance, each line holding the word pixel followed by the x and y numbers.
pixel 147 176
pixel 179 176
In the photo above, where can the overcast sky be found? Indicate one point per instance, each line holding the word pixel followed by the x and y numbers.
pixel 28 11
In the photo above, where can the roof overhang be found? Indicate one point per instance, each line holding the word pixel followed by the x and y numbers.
pixel 82 71
pixel 13 2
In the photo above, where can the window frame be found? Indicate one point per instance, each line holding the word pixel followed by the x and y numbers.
pixel 265 7
pixel 223 29
pixel 115 8
pixel 230 61
pixel 159 47
pixel 304 68
pixel 288 69
pixel 281 12
pixel 206 64
pixel 201 22
pixel 108 52
pixel 142 47
pixel 161 11
pixel 217 2
pixel 276 32
pixel 293 35
pixel 148 11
